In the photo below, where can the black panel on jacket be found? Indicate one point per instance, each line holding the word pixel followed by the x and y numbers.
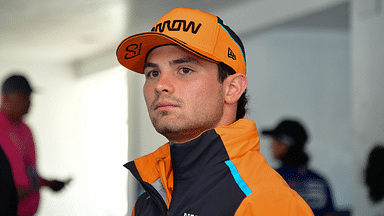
pixel 146 206
pixel 203 183
pixel 150 198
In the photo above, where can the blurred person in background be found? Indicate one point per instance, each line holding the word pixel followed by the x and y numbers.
pixel 8 193
pixel 288 146
pixel 374 174
pixel 17 142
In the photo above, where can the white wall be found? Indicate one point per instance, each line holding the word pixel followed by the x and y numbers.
pixel 80 129
pixel 101 122
pixel 367 25
pixel 305 74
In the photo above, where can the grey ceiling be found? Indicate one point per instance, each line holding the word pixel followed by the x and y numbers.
pixel 63 31
pixel 332 18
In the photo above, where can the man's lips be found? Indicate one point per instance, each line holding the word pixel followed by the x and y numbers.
pixel 165 105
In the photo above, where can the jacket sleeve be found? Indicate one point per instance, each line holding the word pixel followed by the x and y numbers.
pixel 274 202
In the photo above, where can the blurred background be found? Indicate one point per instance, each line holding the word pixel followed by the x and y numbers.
pixel 319 61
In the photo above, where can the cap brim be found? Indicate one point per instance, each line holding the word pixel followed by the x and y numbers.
pixel 132 52
pixel 270 133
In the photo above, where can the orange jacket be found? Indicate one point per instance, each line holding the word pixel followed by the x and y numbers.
pixel 219 173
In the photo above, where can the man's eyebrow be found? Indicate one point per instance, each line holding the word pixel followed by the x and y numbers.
pixel 149 64
pixel 173 62
pixel 185 60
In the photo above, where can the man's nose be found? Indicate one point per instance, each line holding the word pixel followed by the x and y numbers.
pixel 165 83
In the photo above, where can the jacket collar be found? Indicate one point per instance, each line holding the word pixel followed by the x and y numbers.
pixel 197 156
pixel 237 138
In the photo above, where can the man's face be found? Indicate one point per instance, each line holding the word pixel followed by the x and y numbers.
pixel 182 93
pixel 19 103
pixel 278 148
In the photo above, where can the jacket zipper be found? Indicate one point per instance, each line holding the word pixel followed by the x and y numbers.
pixel 156 196
pixel 149 188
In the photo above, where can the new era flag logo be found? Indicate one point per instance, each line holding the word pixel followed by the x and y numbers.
pixel 231 54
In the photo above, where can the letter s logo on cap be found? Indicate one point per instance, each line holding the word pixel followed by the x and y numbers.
pixel 132 50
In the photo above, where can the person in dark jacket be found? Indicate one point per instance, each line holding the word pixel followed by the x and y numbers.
pixel 289 138
pixel 374 173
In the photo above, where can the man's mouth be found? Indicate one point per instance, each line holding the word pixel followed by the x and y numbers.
pixel 163 105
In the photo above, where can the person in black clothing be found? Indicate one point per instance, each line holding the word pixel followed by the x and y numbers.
pixel 8 193
pixel 288 146
pixel 374 174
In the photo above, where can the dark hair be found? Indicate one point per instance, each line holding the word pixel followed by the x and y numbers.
pixel 224 72
pixel 374 173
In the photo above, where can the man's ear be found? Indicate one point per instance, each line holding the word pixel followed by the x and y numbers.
pixel 235 86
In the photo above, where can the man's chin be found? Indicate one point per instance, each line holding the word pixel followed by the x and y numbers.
pixel 164 120
pixel 166 128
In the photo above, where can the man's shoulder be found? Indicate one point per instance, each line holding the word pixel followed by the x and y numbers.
pixel 304 172
pixel 316 174
pixel 25 125
pixel 26 130
pixel 279 200
pixel 269 189
pixel 258 174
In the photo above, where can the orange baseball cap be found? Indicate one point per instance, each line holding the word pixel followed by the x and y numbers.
pixel 196 31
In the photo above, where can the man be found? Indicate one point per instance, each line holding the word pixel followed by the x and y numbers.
pixel 289 139
pixel 195 83
pixel 17 142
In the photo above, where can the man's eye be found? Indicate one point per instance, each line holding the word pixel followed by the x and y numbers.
pixel 185 70
pixel 153 74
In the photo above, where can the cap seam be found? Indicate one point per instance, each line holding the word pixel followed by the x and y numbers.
pixel 245 63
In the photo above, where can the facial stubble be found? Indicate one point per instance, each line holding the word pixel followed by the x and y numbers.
pixel 181 127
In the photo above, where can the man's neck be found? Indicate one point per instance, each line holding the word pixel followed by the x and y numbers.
pixel 13 118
